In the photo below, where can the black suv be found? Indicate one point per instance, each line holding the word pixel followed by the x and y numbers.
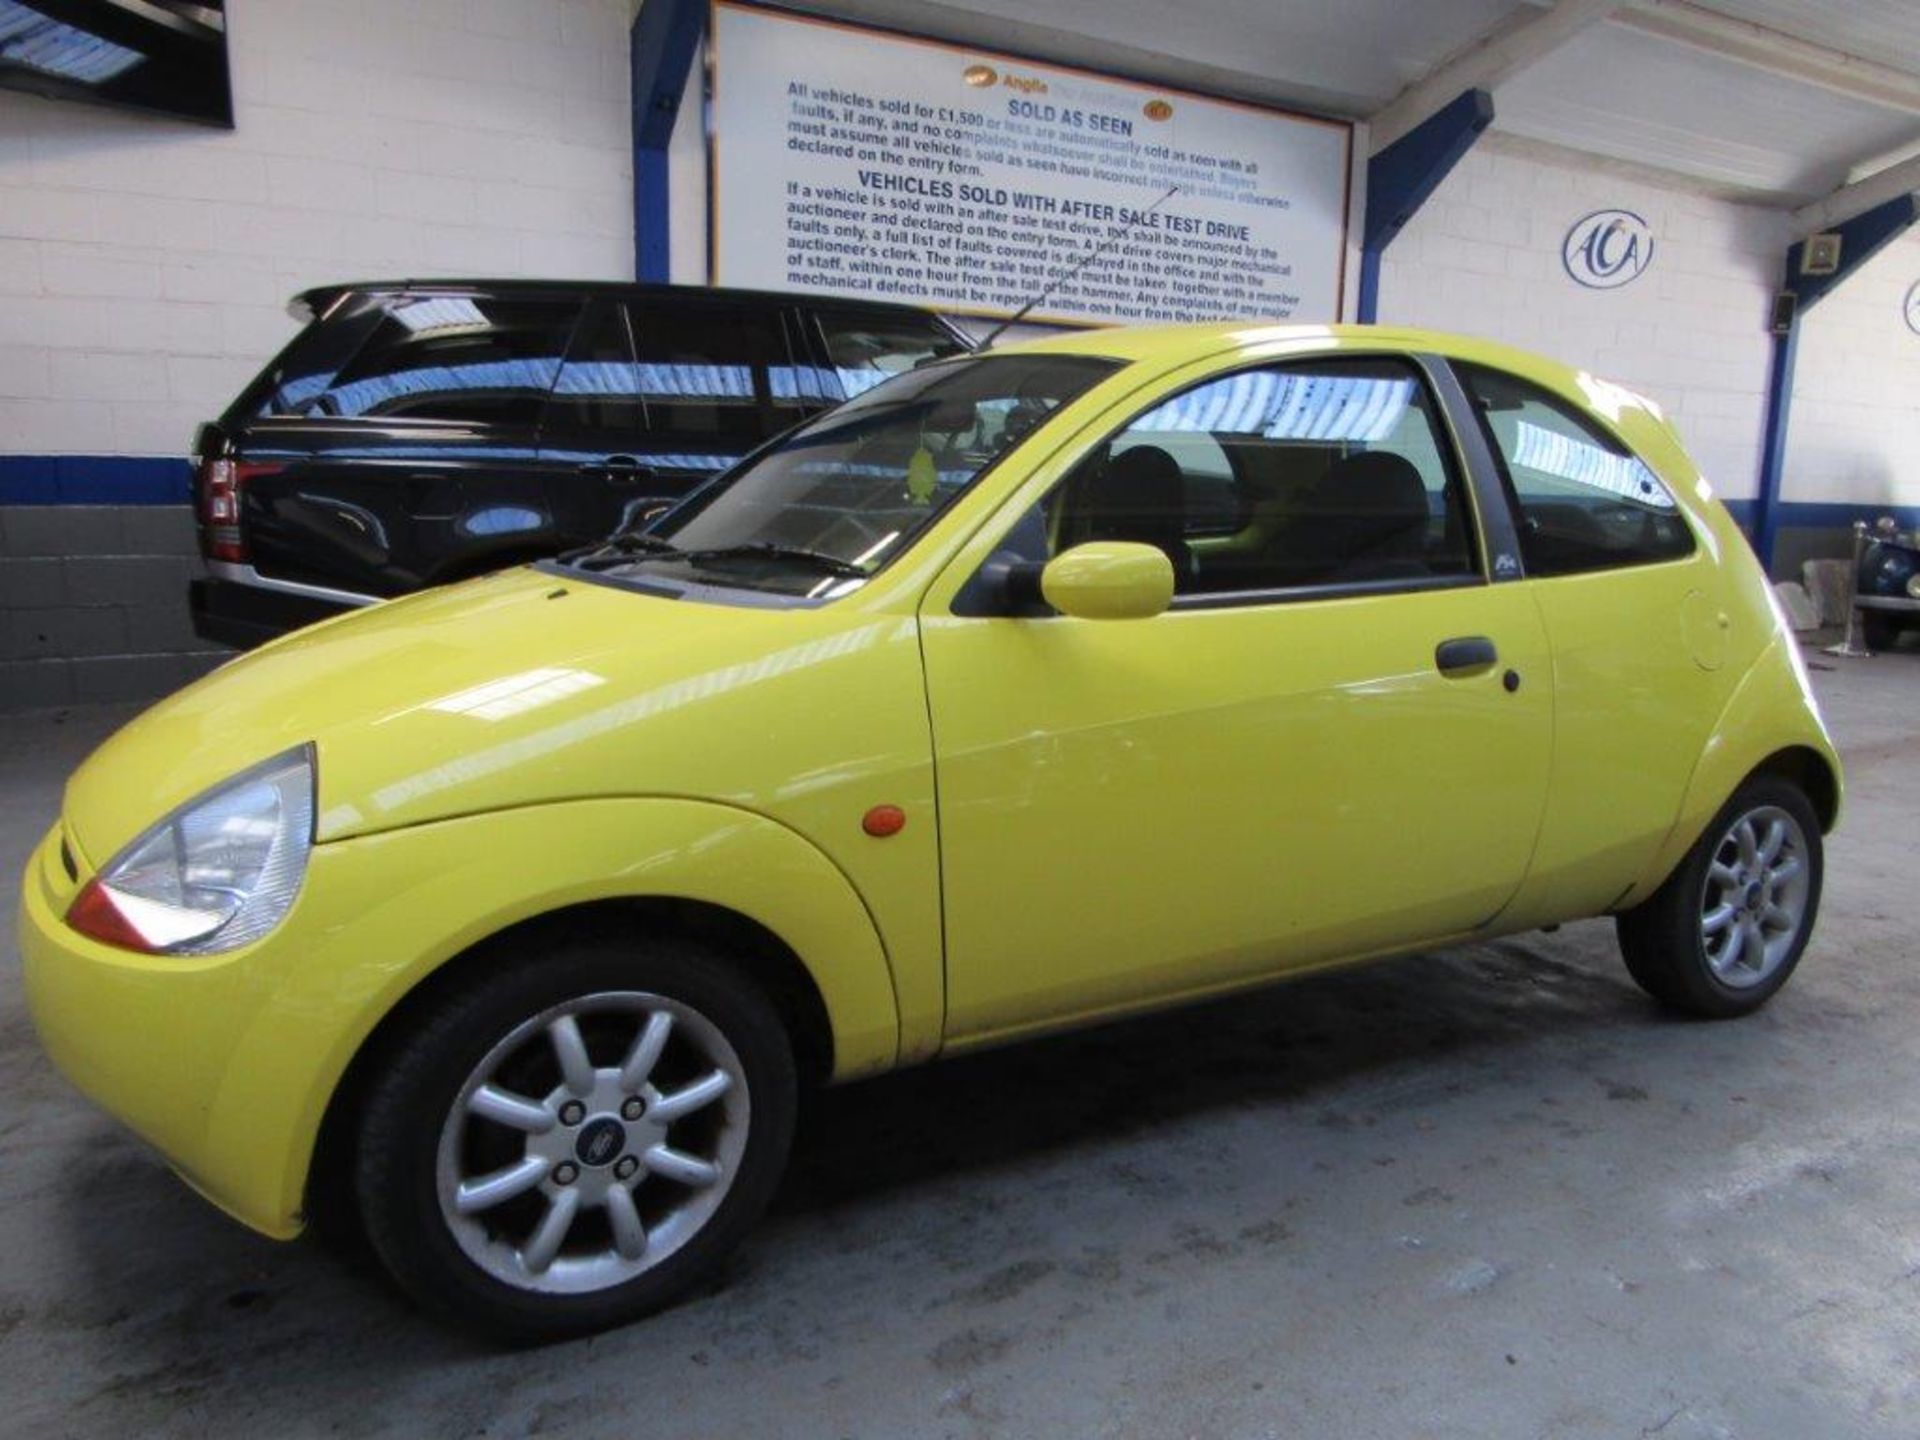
pixel 419 432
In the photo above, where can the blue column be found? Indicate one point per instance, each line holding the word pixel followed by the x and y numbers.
pixel 1402 175
pixel 1861 238
pixel 666 35
pixel 1773 445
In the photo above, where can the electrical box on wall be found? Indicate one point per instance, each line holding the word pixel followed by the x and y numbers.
pixel 1821 255
pixel 1785 305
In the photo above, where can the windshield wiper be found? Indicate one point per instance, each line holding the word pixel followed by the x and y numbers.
pixel 621 545
pixel 631 540
pixel 772 550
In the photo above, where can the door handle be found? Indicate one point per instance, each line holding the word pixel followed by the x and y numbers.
pixel 1465 655
pixel 618 469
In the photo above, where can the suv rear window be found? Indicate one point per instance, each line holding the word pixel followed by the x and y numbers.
pixel 468 358
pixel 474 359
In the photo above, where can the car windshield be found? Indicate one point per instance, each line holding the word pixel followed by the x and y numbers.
pixel 820 510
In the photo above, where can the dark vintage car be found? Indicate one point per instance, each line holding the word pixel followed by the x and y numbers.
pixel 1889 584
pixel 418 432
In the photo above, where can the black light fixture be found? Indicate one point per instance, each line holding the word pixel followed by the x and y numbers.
pixel 164 56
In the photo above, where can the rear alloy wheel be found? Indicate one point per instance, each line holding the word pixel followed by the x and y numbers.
pixel 573 1143
pixel 1728 927
pixel 1753 906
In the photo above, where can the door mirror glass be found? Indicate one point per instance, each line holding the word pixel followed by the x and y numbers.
pixel 1109 580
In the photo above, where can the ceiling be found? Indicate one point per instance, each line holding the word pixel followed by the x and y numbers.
pixel 1819 93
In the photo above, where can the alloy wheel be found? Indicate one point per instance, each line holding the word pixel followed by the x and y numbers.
pixel 592 1141
pixel 1754 901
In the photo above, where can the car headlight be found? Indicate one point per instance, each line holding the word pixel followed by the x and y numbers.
pixel 1913 586
pixel 220 871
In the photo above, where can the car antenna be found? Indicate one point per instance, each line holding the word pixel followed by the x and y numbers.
pixel 1085 260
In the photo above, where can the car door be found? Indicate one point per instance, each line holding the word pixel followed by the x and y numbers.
pixel 715 377
pixel 1334 742
pixel 662 392
pixel 1622 585
pixel 593 438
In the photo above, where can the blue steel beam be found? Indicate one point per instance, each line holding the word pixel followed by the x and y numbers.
pixel 666 35
pixel 1861 238
pixel 1403 175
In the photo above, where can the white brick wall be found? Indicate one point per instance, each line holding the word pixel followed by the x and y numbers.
pixel 145 265
pixel 1855 436
pixel 1483 257
pixel 687 182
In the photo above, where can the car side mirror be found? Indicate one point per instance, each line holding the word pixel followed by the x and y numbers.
pixel 1109 580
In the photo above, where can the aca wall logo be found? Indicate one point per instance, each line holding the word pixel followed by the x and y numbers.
pixel 1911 307
pixel 1608 248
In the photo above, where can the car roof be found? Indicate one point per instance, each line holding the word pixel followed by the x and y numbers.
pixel 1199 342
pixel 319 296
pixel 1168 347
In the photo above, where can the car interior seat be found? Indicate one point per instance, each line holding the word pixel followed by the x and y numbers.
pixel 1142 497
pixel 1365 519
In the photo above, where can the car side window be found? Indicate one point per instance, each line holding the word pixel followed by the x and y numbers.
pixel 706 371
pixel 864 349
pixel 1582 500
pixel 1280 478
pixel 477 359
pixel 598 391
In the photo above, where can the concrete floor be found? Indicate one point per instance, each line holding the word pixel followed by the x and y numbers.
pixel 1486 1193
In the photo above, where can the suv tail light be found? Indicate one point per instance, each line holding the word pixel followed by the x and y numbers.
pixel 221 482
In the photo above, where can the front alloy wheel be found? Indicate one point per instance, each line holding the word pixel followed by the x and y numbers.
pixel 572 1138
pixel 633 1142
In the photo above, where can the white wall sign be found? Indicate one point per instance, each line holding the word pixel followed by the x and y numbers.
pixel 852 162
pixel 1607 249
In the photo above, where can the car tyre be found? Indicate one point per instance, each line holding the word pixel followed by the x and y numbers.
pixel 535 1060
pixel 1725 932
pixel 1879 630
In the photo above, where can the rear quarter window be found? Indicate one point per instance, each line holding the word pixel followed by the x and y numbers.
pixel 1582 500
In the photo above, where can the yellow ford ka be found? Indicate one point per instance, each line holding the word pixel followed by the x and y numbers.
pixel 1026 690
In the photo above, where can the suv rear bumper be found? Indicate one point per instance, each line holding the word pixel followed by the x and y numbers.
pixel 236 606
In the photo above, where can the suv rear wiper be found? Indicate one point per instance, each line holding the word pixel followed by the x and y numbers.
pixel 772 550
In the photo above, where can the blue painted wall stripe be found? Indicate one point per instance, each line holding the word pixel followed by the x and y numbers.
pixel 1825 514
pixel 95 480
pixel 167 480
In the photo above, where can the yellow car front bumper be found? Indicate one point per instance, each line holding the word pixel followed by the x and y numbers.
pixel 153 1040
pixel 227 1063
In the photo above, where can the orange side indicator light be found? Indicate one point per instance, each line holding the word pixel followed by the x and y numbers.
pixel 884 820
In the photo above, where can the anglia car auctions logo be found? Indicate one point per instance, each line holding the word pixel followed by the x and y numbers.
pixel 1608 248
pixel 1910 307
